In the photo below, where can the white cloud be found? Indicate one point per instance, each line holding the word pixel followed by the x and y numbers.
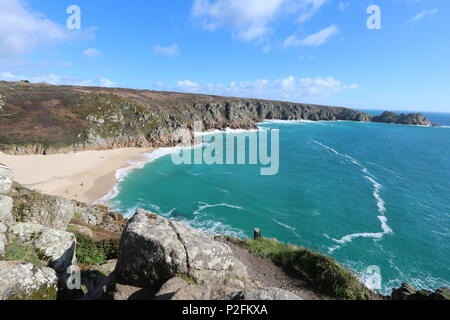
pixel 309 9
pixel 22 30
pixel 167 51
pixel 8 76
pixel 188 85
pixel 422 15
pixel 251 19
pixel 314 40
pixel 91 53
pixel 57 79
pixel 107 83
pixel 289 88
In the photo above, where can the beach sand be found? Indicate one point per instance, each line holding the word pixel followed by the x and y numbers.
pixel 83 176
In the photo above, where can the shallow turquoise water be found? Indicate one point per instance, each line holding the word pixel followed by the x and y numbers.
pixel 365 193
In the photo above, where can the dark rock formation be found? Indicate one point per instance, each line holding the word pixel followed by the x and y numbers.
pixel 409 119
pixel 408 292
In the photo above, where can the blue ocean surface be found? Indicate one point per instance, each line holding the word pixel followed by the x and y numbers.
pixel 367 194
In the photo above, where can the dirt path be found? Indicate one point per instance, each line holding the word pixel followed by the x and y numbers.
pixel 266 272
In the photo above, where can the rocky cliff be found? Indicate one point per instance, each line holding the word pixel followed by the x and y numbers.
pixel 409 119
pixel 43 119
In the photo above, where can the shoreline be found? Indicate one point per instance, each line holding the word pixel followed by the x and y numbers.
pixel 92 176
pixel 84 176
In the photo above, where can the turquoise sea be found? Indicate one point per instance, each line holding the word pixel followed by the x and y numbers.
pixel 367 194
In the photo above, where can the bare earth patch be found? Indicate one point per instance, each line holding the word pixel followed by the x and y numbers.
pixel 268 274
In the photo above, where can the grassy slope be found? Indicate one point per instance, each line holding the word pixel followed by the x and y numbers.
pixel 322 272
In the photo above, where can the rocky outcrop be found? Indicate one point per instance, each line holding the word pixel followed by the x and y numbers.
pixel 57 212
pixel 100 216
pixel 230 289
pixel 409 119
pixel 408 292
pixel 55 246
pixel 23 281
pixel 48 211
pixel 178 288
pixel 154 250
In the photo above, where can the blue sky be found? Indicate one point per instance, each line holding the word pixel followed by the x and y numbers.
pixel 315 51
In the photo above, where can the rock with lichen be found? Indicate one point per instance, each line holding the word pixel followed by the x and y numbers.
pixel 54 246
pixel 154 250
pixel 24 281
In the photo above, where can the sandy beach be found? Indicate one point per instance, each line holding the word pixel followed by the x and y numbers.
pixel 83 176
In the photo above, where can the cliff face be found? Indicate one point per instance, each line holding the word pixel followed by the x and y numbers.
pixel 43 119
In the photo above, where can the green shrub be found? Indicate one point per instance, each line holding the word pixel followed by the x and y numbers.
pixel 17 251
pixel 320 271
pixel 93 252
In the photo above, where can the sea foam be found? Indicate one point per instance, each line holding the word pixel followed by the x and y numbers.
pixel 381 204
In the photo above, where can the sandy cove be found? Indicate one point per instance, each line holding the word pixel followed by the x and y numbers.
pixel 83 176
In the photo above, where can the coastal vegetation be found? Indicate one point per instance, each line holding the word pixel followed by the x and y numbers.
pixel 95 252
pixel 322 272
pixel 18 251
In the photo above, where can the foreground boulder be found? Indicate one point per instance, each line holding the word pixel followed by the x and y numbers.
pixel 55 246
pixel 57 212
pixel 24 281
pixel 408 292
pixel 186 289
pixel 154 250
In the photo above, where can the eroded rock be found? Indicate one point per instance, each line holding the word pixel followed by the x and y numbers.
pixel 49 211
pixel 408 292
pixel 56 246
pixel 24 281
pixel 154 250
